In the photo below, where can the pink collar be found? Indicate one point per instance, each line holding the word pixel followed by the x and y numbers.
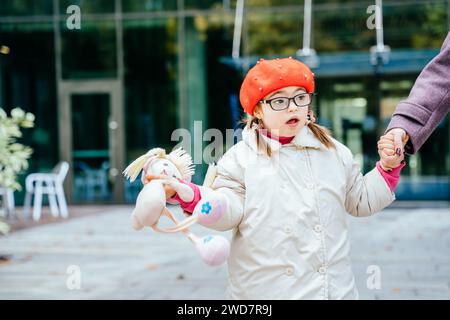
pixel 282 140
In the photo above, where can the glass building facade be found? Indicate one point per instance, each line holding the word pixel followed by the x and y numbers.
pixel 137 70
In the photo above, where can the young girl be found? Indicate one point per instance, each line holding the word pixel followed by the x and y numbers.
pixel 287 188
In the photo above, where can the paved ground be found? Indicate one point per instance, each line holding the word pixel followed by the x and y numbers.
pixel 410 248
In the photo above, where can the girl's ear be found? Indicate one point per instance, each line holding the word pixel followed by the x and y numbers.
pixel 257 112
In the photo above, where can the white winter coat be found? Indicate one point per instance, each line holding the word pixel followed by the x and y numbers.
pixel 288 215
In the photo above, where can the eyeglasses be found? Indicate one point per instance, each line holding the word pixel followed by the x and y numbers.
pixel 281 103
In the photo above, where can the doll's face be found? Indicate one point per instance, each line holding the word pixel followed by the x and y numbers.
pixel 164 167
pixel 287 122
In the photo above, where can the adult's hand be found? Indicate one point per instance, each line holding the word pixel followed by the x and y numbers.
pixel 400 139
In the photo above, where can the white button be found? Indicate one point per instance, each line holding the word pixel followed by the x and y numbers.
pixel 283 186
pixel 287 229
pixel 323 270
pixel 310 186
pixel 289 271
pixel 318 228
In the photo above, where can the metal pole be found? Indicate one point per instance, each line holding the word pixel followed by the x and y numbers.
pixel 237 28
pixel 307 28
pixel 306 53
pixel 379 54
pixel 379 25
pixel 183 116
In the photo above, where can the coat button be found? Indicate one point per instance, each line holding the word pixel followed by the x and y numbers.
pixel 310 186
pixel 289 271
pixel 318 228
pixel 287 229
pixel 323 269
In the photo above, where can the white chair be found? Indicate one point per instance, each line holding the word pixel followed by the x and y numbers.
pixel 7 201
pixel 50 184
pixel 91 183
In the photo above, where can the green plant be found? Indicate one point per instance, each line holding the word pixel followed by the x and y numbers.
pixel 13 156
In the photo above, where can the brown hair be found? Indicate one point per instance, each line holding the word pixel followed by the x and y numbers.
pixel 320 132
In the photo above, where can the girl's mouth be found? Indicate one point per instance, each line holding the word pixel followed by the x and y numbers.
pixel 292 122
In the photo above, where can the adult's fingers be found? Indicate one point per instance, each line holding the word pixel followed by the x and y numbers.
pixel 400 139
pixel 388 136
pixel 388 152
pixel 386 156
pixel 398 142
pixel 384 139
pixel 387 145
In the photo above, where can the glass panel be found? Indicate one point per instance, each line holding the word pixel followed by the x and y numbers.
pixel 426 175
pixel 148 5
pixel 150 87
pixel 88 6
pixel 270 34
pixel 90 142
pixel 25 7
pixel 89 52
pixel 267 3
pixel 206 4
pixel 215 33
pixel 418 25
pixel 341 29
pixel 27 80
pixel 342 106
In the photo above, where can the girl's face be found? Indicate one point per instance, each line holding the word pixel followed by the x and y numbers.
pixel 287 122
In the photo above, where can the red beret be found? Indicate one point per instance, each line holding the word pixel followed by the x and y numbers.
pixel 268 76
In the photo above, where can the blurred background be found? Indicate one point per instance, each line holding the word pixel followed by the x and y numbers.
pixel 139 69
pixel 136 70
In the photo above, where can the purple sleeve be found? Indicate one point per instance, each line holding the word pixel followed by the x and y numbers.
pixel 428 102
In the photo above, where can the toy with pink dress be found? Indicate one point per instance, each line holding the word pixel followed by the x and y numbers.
pixel 177 168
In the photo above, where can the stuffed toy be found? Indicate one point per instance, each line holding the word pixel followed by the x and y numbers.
pixel 176 167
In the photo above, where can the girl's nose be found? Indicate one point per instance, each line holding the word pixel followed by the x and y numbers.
pixel 292 106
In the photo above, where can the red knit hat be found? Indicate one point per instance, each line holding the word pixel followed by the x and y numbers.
pixel 268 76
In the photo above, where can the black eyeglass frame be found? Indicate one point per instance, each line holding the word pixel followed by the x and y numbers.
pixel 269 102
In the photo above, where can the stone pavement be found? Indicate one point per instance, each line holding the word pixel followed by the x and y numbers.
pixel 408 248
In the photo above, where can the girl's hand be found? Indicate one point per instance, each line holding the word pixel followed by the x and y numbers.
pixel 386 150
pixel 170 191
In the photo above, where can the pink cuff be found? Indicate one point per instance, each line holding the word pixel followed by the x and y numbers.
pixel 391 177
pixel 189 206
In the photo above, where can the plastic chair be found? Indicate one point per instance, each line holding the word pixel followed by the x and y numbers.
pixel 51 184
pixel 7 201
pixel 92 183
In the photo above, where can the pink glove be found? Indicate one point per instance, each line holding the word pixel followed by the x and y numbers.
pixel 211 209
pixel 214 250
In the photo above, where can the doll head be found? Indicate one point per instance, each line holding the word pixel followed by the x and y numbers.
pixel 162 166
pixel 177 164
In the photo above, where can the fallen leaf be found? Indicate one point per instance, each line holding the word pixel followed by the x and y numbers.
pixel 152 266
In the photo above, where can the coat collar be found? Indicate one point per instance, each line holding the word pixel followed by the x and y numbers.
pixel 304 139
